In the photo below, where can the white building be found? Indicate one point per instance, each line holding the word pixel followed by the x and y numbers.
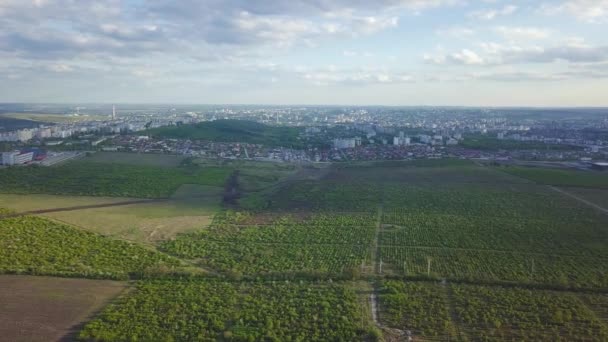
pixel 25 135
pixel 16 158
pixel 345 143
pixel 9 136
pixel 43 133
pixel 425 139
pixel 401 141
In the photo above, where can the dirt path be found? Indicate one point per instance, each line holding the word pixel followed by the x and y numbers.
pixel 582 200
pixel 376 261
pixel 452 312
pixel 374 301
pixel 81 207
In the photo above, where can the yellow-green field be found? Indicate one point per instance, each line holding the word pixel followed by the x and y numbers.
pixel 192 207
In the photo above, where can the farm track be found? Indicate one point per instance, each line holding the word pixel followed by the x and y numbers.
pixel 460 334
pixel 82 207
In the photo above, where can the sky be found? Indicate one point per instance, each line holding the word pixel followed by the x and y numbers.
pixel 342 52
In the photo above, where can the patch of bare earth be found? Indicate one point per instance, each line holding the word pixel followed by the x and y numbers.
pixel 50 309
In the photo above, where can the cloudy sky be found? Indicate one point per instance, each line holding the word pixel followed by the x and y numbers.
pixel 390 52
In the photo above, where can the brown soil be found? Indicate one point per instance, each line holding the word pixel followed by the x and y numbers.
pixel 50 309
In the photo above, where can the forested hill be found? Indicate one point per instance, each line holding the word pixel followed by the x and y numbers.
pixel 233 131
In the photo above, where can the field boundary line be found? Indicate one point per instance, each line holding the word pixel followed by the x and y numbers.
pixel 81 207
pixel 580 199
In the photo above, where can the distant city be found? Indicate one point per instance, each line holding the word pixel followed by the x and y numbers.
pixel 45 135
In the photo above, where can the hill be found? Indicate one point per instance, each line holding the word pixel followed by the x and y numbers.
pixel 232 131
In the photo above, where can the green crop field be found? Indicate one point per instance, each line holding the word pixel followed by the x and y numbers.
pixel 104 179
pixel 584 179
pixel 452 250
pixel 322 244
pixel 31 245
pixel 491 313
pixel 221 311
pixel 596 196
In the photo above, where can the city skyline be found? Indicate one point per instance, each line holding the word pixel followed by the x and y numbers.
pixel 440 52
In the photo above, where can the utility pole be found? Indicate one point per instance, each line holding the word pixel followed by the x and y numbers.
pixel 532 266
pixel 428 266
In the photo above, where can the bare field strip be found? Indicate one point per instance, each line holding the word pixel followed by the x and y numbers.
pixel 50 309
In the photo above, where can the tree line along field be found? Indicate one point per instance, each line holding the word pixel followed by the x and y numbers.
pixel 105 179
pixel 234 131
pixel 492 313
pixel 210 310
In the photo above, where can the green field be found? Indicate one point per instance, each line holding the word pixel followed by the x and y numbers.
pixel 31 245
pixel 569 178
pixel 485 143
pixel 190 208
pixel 491 313
pixel 319 245
pixel 233 131
pixel 596 196
pixel 222 311
pixel 105 179
pixel 453 250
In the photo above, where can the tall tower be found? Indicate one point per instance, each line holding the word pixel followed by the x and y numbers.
pixel 113 112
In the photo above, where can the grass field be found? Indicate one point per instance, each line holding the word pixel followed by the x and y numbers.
pixel 192 207
pixel 49 309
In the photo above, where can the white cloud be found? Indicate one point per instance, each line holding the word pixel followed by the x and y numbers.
pixel 493 54
pixel 467 57
pixel 332 75
pixel 60 68
pixel 491 14
pixel 586 10
pixel 350 53
pixel 456 32
pixel 522 33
